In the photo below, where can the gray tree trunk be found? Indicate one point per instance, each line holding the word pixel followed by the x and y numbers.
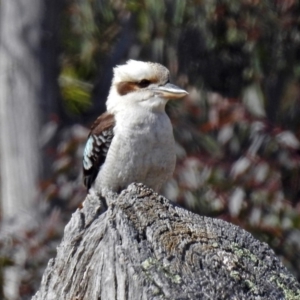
pixel 144 247
pixel 28 97
pixel 20 91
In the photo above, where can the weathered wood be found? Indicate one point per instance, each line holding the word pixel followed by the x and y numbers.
pixel 144 247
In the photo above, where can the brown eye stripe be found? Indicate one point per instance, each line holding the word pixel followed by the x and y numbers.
pixel 124 88
pixel 127 87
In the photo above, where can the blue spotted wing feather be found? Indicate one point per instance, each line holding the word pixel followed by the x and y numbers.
pixel 96 147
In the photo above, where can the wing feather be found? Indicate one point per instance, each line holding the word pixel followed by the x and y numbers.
pixel 97 146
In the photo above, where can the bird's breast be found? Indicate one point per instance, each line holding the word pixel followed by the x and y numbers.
pixel 142 150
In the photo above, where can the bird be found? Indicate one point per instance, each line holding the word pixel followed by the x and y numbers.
pixel 133 140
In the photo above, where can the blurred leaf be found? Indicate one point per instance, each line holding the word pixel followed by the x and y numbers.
pixel 76 93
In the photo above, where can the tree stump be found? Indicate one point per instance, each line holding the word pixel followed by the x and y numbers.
pixel 144 247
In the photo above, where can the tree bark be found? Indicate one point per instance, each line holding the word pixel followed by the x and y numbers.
pixel 28 98
pixel 20 91
pixel 144 247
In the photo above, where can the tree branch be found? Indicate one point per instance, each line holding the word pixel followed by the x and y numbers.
pixel 144 247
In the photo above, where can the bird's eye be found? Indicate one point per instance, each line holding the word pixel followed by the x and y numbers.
pixel 144 83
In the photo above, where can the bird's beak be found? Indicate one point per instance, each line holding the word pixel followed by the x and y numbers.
pixel 170 91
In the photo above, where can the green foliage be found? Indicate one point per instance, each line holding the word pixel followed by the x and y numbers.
pixel 76 93
pixel 89 30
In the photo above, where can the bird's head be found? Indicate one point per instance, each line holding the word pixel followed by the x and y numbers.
pixel 142 84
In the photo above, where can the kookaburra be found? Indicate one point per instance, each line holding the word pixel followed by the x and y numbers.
pixel 133 141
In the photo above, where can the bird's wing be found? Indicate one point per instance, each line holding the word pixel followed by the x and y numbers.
pixel 96 147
